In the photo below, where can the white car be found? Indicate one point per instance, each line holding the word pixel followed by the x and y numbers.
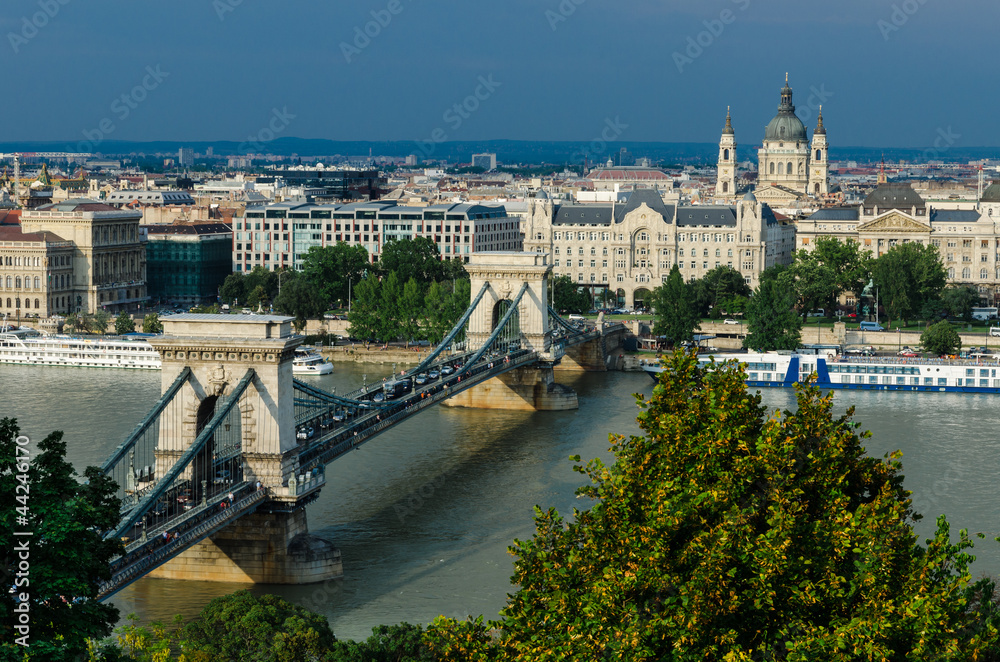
pixel 728 321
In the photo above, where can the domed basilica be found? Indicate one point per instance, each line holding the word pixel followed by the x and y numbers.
pixel 789 167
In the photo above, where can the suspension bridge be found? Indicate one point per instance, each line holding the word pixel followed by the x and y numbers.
pixel 215 480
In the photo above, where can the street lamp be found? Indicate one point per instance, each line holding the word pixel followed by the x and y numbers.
pixel 280 275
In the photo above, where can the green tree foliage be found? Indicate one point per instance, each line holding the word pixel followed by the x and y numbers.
pixel 417 258
pixel 411 305
pixel 941 338
pixel 771 321
pixel 907 277
pixel 151 323
pixel 719 285
pixel 567 296
pixel 261 286
pixel 830 269
pixel 388 643
pixel 812 282
pixel 264 628
pixel 300 299
pixel 388 308
pixel 676 314
pixel 234 289
pixel 72 322
pixel 66 553
pixel 729 533
pixel 101 320
pixel 364 315
pixel 334 270
pixel 124 324
pixel 959 301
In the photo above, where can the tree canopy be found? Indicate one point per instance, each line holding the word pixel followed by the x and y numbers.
pixel 727 532
pixel 67 555
pixel 567 296
pixel 417 258
pixel 907 277
pixel 333 270
pixel 124 324
pixel 771 322
pixel 721 286
pixel 300 299
pixel 676 315
pixel 941 338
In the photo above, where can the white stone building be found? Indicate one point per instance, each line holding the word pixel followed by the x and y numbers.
pixel 630 248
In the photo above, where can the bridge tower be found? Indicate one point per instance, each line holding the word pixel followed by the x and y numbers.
pixel 271 545
pixel 531 388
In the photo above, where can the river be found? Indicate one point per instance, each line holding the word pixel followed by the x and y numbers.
pixel 424 514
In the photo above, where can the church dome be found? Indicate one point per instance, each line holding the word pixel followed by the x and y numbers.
pixel 786 126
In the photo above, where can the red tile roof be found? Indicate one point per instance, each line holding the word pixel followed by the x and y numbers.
pixel 10 216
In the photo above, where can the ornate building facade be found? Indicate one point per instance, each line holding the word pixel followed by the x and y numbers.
pixel 630 248
pixel 967 240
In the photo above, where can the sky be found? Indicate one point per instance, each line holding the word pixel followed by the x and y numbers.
pixel 902 73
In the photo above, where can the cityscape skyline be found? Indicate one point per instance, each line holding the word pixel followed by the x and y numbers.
pixel 436 72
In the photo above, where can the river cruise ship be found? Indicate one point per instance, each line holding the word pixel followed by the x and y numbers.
pixel 310 362
pixel 879 373
pixel 29 347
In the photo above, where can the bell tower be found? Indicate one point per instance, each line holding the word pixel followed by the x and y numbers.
pixel 819 165
pixel 725 185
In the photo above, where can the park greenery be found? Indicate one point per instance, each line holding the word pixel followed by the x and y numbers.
pixel 907 281
pixel 941 338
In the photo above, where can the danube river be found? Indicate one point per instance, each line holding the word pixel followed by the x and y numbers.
pixel 424 513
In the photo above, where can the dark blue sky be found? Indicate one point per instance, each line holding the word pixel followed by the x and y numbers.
pixel 226 65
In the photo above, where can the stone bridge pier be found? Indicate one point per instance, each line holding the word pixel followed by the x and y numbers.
pixel 531 388
pixel 598 355
pixel 273 544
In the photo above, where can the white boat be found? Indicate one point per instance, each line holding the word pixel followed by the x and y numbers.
pixel 878 373
pixel 29 347
pixel 310 362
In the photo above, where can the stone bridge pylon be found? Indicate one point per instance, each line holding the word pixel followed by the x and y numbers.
pixel 271 545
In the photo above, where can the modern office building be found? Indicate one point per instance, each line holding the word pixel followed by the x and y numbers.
pixel 337 183
pixel 487 162
pixel 185 157
pixel 279 235
pixel 631 248
pixel 186 263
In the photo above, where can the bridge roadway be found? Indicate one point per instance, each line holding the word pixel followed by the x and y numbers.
pixel 147 549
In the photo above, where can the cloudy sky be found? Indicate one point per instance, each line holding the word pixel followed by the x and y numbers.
pixel 888 73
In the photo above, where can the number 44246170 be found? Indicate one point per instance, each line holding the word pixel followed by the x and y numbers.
pixel 22 489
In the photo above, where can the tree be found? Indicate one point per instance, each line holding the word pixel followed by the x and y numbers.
pixel 417 258
pixel 941 338
pixel 849 264
pixel 101 320
pixel 300 299
pixel 813 282
pixel 151 323
pixel 959 301
pixel 389 327
pixel 364 315
pixel 332 270
pixel 908 276
pixel 567 297
pixel 72 322
pixel 718 285
pixel 411 305
pixel 676 316
pixel 771 321
pixel 261 286
pixel 264 628
pixel 124 324
pixel 66 553
pixel 233 289
pixel 727 532
pixel 388 643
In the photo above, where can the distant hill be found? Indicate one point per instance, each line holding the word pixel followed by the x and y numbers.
pixel 507 151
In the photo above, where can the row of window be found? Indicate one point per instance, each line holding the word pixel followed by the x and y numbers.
pixel 16 302
pixel 14 282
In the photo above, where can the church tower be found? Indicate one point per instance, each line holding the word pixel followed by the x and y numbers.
pixel 784 158
pixel 819 166
pixel 725 185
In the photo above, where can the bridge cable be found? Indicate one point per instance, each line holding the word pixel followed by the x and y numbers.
pixel 496 332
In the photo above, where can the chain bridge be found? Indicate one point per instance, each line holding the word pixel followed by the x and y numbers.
pixel 215 480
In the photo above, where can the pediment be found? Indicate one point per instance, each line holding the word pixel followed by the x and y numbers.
pixel 774 193
pixel 894 221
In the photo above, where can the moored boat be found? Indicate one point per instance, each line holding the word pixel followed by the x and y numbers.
pixel 880 373
pixel 310 362
pixel 30 347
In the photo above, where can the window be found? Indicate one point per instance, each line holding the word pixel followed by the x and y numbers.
pixel 772 168
pixel 789 168
pixel 966 273
pixel 982 275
